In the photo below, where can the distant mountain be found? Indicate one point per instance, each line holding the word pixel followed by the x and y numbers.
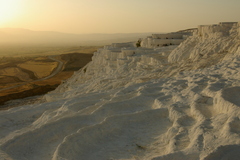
pixel 25 36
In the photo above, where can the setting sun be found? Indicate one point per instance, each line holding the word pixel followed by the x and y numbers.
pixel 9 9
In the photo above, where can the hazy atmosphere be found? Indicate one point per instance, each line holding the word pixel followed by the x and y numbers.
pixel 119 79
pixel 115 16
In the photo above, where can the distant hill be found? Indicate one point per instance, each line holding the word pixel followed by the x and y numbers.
pixel 29 37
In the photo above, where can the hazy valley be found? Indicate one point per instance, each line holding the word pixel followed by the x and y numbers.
pixel 14 36
pixel 30 71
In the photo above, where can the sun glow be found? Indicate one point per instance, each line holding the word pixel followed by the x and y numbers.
pixel 9 9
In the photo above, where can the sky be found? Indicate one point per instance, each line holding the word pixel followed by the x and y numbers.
pixel 115 16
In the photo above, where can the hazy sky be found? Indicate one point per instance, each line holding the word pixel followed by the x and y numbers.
pixel 115 16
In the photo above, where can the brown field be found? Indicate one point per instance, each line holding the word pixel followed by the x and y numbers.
pixel 40 68
pixel 21 72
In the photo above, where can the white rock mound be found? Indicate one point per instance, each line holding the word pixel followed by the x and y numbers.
pixel 210 40
pixel 153 102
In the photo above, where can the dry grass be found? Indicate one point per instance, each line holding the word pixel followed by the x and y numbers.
pixel 14 72
pixel 41 69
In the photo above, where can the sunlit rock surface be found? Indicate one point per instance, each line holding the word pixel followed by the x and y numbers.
pixel 161 103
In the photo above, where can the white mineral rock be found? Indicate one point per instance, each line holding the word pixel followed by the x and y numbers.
pixel 161 103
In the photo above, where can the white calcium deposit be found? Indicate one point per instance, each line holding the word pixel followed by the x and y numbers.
pixel 165 103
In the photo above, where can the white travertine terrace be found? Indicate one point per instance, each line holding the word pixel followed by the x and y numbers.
pixel 238 28
pixel 168 36
pixel 222 28
pixel 224 36
pixel 158 40
pixel 149 103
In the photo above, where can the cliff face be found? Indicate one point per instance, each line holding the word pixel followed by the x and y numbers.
pixel 209 40
pixel 173 102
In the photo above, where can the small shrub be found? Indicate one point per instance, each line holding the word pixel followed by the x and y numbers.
pixel 138 44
